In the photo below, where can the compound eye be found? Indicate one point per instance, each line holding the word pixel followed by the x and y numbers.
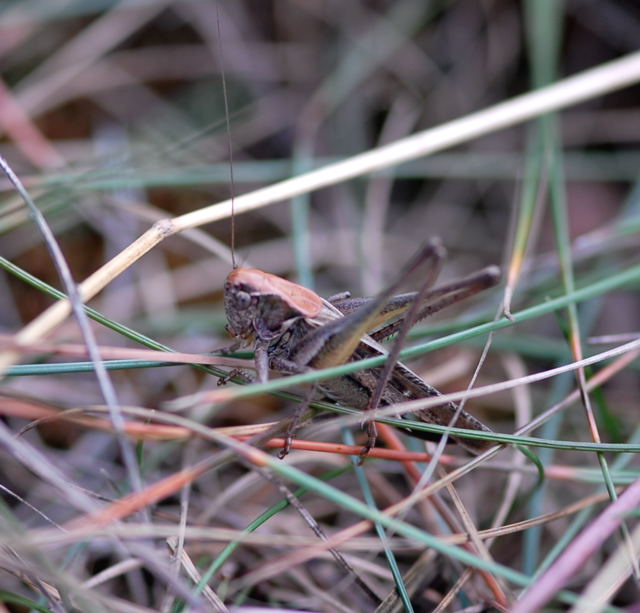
pixel 243 300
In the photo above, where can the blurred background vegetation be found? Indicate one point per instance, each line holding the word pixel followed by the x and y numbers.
pixel 113 114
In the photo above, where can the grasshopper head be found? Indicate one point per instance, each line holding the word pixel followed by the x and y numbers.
pixel 258 303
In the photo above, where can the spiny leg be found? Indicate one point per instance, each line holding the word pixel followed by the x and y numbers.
pixel 445 296
pixel 449 294
pixel 436 256
pixel 333 344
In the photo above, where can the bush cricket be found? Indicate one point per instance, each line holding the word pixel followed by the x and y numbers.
pixel 294 330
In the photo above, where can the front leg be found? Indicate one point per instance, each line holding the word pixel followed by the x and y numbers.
pixel 261 358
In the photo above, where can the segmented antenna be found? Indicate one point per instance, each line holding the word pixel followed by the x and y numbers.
pixel 228 127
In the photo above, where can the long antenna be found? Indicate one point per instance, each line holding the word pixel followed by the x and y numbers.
pixel 230 148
